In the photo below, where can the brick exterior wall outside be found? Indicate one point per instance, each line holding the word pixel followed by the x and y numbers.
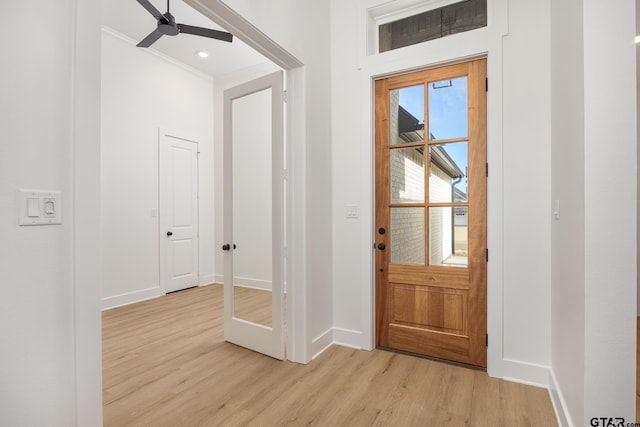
pixel 407 236
pixel 407 175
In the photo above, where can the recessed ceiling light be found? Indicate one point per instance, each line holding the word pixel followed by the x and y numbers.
pixel 202 54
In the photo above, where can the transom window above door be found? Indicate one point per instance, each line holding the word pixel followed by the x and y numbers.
pixel 414 24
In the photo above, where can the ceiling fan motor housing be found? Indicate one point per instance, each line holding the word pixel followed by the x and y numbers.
pixel 168 26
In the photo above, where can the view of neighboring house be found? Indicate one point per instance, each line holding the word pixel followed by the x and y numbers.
pixel 448 226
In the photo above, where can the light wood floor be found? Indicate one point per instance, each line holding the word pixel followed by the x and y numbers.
pixel 165 364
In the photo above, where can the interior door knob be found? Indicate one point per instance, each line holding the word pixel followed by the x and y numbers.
pixel 226 247
pixel 382 246
pixel 169 233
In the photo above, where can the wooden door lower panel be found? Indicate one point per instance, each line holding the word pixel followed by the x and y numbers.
pixel 435 344
pixel 429 320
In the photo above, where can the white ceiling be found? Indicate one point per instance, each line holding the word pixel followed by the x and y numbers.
pixel 129 18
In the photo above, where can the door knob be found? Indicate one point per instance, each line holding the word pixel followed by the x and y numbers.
pixel 226 247
pixel 382 246
pixel 381 230
pixel 169 233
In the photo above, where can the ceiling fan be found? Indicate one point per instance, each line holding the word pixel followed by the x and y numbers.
pixel 167 26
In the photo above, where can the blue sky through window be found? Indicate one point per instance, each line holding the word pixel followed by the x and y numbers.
pixel 447 115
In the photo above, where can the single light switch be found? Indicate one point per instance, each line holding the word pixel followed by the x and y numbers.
pixel 33 207
pixel 49 208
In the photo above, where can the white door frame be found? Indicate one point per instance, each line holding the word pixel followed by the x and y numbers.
pixel 296 272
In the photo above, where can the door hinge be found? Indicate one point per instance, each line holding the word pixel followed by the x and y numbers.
pixel 487 254
pixel 486 84
pixel 486 169
pixel 487 340
pixel 285 330
pixel 285 96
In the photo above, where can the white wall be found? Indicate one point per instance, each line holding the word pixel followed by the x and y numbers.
pixel 638 127
pixel 526 182
pixel 567 254
pixel 142 92
pixel 594 252
pixel 49 115
pixel 610 275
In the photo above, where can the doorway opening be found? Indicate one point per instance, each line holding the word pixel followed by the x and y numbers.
pixel 143 115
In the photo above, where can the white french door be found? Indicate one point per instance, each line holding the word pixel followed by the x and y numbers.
pixel 253 215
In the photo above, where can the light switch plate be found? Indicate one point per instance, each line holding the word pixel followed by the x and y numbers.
pixel 351 212
pixel 40 207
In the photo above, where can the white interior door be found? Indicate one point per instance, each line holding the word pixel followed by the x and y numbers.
pixel 178 212
pixel 253 215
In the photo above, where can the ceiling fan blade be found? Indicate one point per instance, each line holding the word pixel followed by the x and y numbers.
pixel 151 9
pixel 150 39
pixel 205 32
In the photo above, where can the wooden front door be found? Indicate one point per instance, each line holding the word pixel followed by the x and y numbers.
pixel 431 172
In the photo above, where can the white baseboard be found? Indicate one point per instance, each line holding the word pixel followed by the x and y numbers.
pixel 245 282
pixel 348 338
pixel 527 373
pixel 207 279
pixel 212 284
pixel 321 343
pixel 131 297
pixel 559 405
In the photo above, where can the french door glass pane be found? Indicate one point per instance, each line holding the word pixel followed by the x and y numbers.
pixel 448 173
pixel 407 236
pixel 407 175
pixel 252 210
pixel 448 109
pixel 448 236
pixel 406 115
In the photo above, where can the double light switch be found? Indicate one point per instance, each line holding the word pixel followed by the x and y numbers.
pixel 40 207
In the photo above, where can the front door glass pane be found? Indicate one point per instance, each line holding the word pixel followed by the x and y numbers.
pixel 448 236
pixel 407 236
pixel 448 109
pixel 448 173
pixel 407 175
pixel 406 115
